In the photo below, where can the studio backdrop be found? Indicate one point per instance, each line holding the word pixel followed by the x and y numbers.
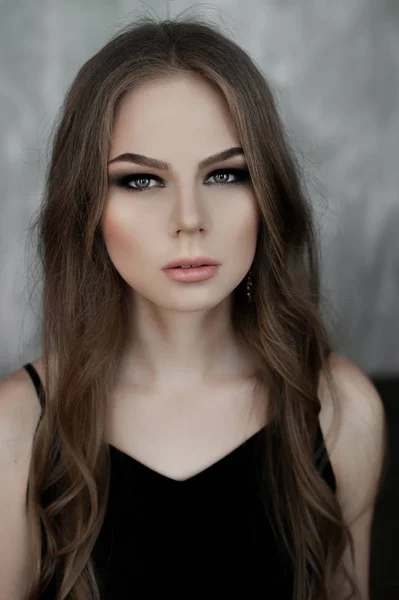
pixel 333 67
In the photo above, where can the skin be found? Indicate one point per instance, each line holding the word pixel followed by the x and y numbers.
pixel 180 333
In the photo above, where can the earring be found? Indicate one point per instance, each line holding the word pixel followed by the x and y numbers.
pixel 249 286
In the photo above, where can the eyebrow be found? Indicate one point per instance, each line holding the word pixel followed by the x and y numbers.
pixel 146 161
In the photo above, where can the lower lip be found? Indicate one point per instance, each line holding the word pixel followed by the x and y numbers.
pixel 192 274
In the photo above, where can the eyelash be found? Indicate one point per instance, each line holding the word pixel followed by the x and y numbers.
pixel 241 174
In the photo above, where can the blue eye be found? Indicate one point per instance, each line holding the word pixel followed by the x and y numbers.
pixel 138 179
pixel 240 176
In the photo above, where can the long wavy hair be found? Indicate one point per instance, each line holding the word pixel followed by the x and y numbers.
pixel 84 304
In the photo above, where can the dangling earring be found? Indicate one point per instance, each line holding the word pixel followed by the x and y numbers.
pixel 249 286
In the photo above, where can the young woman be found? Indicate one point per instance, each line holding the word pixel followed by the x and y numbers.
pixel 187 385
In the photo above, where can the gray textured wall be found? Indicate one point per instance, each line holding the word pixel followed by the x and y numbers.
pixel 334 67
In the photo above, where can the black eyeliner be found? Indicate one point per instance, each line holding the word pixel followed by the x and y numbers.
pixel 122 180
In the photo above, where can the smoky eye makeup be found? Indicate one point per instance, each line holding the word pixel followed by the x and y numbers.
pixel 125 180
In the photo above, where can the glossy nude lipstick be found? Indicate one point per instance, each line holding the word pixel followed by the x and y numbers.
pixel 187 270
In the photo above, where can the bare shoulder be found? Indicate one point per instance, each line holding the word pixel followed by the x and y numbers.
pixel 355 392
pixel 357 453
pixel 19 405
pixel 19 414
pixel 358 456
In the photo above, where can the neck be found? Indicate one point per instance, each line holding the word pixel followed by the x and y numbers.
pixel 176 349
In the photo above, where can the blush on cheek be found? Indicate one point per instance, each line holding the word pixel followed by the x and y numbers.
pixel 116 234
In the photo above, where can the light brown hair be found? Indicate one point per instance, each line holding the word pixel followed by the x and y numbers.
pixel 85 308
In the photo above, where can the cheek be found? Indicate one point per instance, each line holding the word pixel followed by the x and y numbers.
pixel 241 226
pixel 119 233
pixel 132 242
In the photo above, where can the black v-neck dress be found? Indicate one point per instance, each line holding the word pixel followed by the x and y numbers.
pixel 207 536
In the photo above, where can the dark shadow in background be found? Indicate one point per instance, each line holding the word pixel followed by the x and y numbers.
pixel 384 560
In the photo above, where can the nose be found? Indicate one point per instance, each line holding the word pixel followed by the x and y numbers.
pixel 188 212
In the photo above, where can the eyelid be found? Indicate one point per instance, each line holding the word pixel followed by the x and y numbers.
pixel 124 178
pixel 116 176
pixel 228 170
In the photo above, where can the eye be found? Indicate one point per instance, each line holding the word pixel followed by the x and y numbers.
pixel 137 182
pixel 125 181
pixel 240 175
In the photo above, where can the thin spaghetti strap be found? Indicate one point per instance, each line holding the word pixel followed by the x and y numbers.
pixel 322 460
pixel 36 382
pixel 40 392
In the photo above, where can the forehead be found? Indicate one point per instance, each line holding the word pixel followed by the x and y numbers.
pixel 177 110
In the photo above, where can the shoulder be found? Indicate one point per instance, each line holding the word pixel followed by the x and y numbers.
pixel 358 457
pixel 19 414
pixel 358 452
pixel 19 411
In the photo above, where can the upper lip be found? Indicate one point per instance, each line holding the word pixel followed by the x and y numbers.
pixel 195 261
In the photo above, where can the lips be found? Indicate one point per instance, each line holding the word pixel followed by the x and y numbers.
pixel 189 266
pixel 187 274
pixel 192 262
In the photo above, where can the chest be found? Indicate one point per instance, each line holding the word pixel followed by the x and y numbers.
pixel 181 433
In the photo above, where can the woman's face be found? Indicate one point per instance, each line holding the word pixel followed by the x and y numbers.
pixel 183 211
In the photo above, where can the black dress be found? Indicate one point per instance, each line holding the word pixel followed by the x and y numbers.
pixel 207 536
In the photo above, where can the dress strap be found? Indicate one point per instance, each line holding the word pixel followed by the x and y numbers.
pixel 322 459
pixel 36 382
pixel 40 392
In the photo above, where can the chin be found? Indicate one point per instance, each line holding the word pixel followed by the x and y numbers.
pixel 192 302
